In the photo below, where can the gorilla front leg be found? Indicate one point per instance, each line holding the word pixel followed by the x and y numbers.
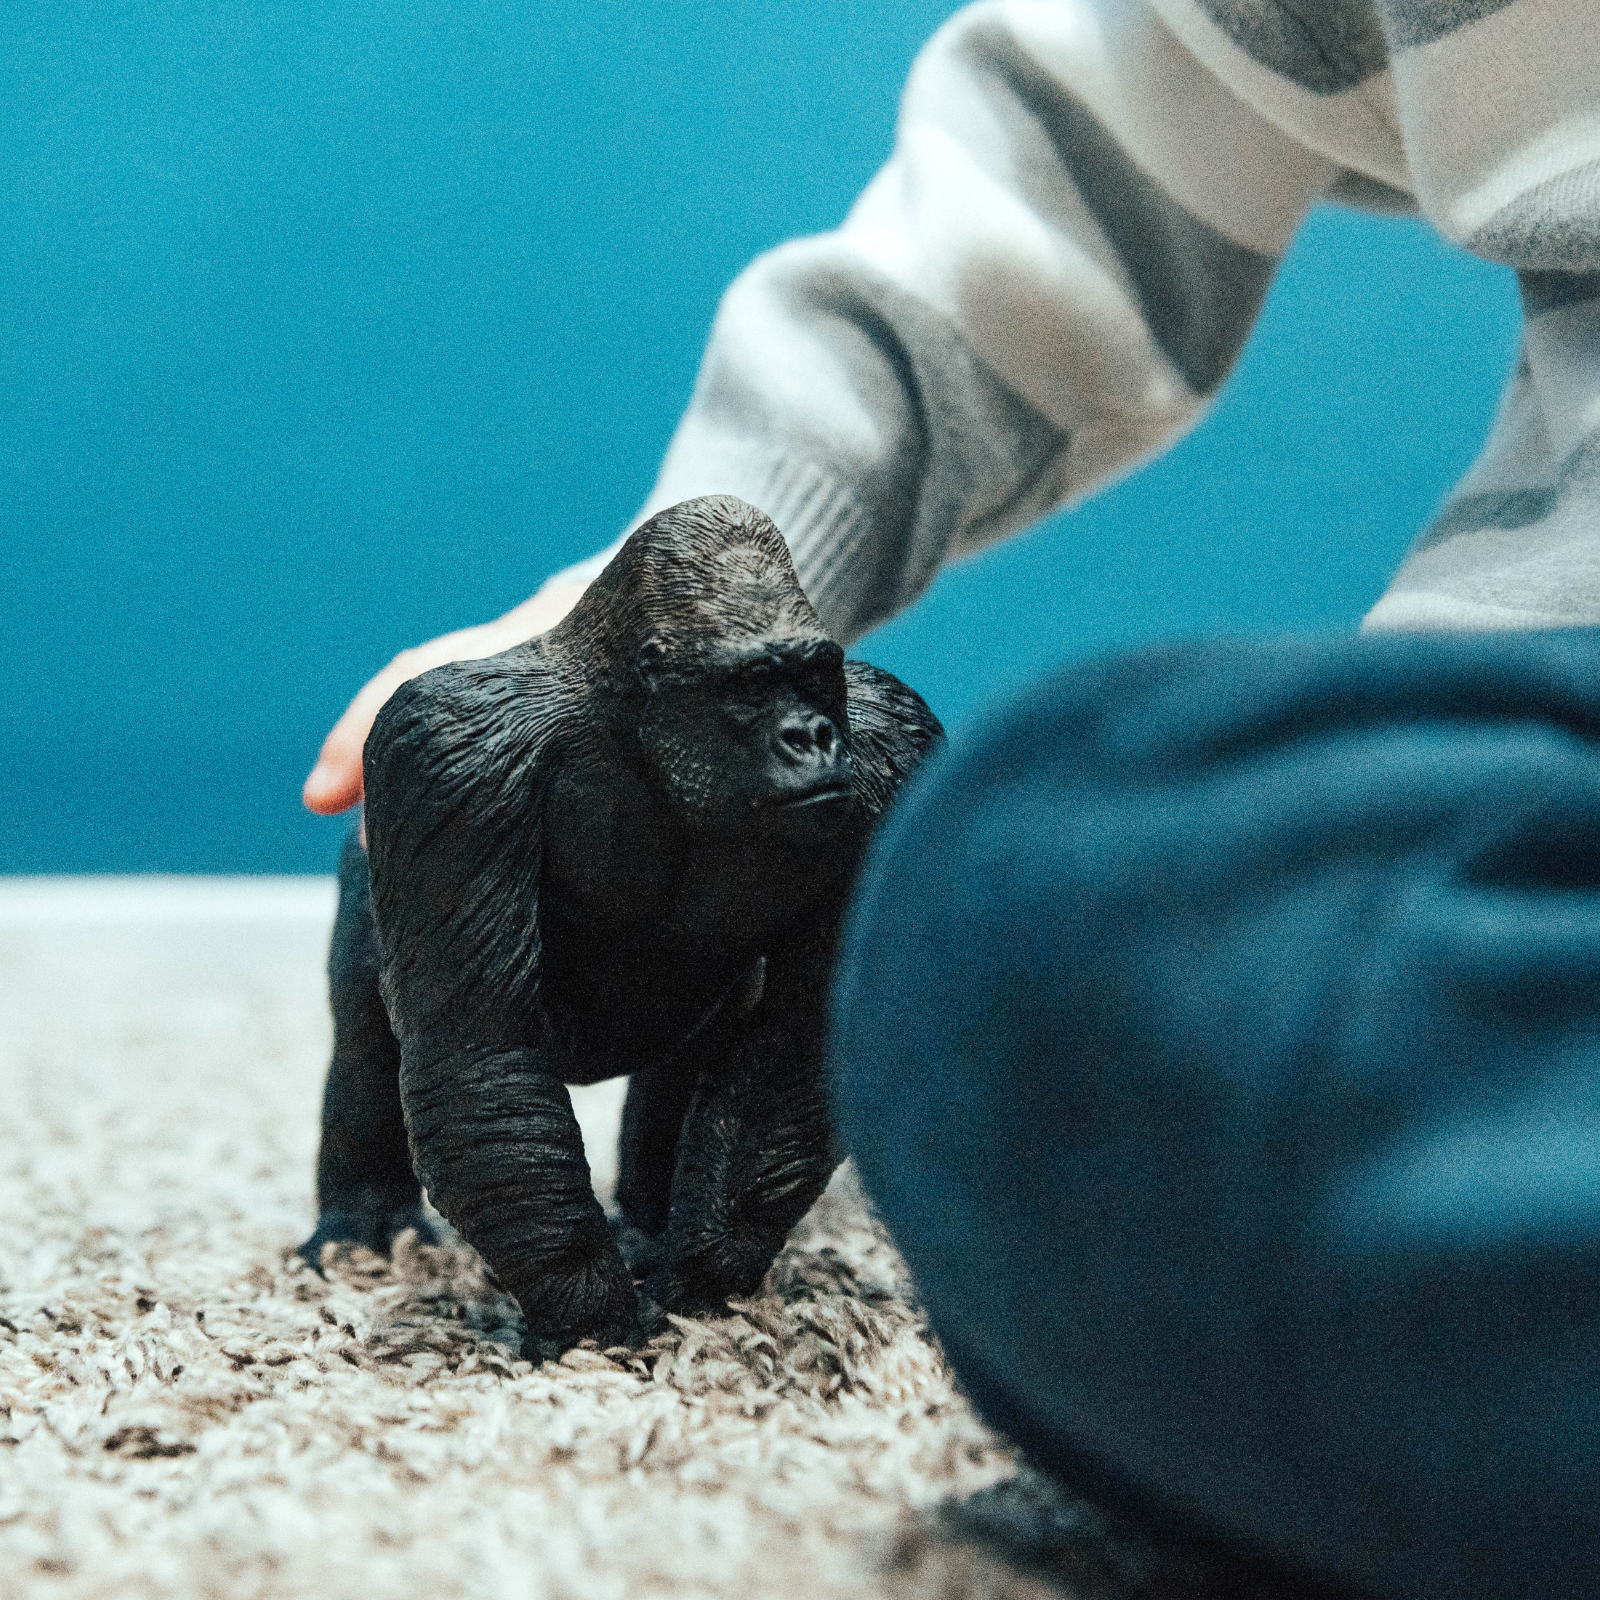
pixel 496 1144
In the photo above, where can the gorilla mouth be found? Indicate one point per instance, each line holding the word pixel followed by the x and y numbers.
pixel 828 794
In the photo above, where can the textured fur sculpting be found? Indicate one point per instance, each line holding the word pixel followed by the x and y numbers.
pixel 621 848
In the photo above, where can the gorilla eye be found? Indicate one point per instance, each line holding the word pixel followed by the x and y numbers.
pixel 746 690
pixel 755 680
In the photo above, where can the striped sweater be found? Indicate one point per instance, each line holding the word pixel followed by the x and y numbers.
pixel 1068 246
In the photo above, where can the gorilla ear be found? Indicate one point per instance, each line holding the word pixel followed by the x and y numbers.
pixel 650 663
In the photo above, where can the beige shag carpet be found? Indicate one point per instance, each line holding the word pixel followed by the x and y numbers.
pixel 186 1411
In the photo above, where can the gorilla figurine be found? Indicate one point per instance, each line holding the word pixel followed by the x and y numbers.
pixel 623 847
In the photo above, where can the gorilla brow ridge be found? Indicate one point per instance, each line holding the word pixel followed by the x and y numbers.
pixel 711 567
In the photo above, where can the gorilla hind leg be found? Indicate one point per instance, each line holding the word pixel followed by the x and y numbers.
pixel 757 1146
pixel 652 1118
pixel 757 1151
pixel 366 1189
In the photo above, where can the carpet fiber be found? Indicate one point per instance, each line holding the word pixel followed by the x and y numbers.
pixel 187 1411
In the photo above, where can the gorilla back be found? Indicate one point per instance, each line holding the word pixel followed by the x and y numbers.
pixel 621 848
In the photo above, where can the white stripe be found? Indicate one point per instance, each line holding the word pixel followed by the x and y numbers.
pixel 1571 144
pixel 1200 142
pixel 1054 313
pixel 1563 348
pixel 1448 613
pixel 1498 107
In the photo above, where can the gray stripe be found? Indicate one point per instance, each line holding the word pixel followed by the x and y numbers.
pixel 1549 291
pixel 1322 45
pixel 1472 513
pixel 1370 194
pixel 1414 22
pixel 1513 508
pixel 983 445
pixel 953 446
pixel 1198 290
pixel 1553 227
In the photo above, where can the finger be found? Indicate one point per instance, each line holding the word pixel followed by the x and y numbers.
pixel 334 783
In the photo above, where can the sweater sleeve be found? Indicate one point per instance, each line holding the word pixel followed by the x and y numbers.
pixel 1053 272
pixel 1500 110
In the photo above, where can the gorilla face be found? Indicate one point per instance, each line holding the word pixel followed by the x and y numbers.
pixel 753 732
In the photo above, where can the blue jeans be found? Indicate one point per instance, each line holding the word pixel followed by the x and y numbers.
pixel 1218 1031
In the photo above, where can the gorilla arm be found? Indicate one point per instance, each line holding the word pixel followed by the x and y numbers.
pixel 456 767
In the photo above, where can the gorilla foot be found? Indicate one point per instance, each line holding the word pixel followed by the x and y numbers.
pixel 640 1250
pixel 593 1298
pixel 632 1334
pixel 647 1321
pixel 700 1280
pixel 367 1219
pixel 685 1298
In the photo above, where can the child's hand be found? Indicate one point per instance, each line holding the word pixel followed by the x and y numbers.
pixel 335 781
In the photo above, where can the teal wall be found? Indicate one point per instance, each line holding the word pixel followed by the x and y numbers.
pixel 325 327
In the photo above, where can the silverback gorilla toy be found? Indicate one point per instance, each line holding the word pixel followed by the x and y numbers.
pixel 621 848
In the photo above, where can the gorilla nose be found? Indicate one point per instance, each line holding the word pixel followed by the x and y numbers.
pixel 810 767
pixel 807 739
